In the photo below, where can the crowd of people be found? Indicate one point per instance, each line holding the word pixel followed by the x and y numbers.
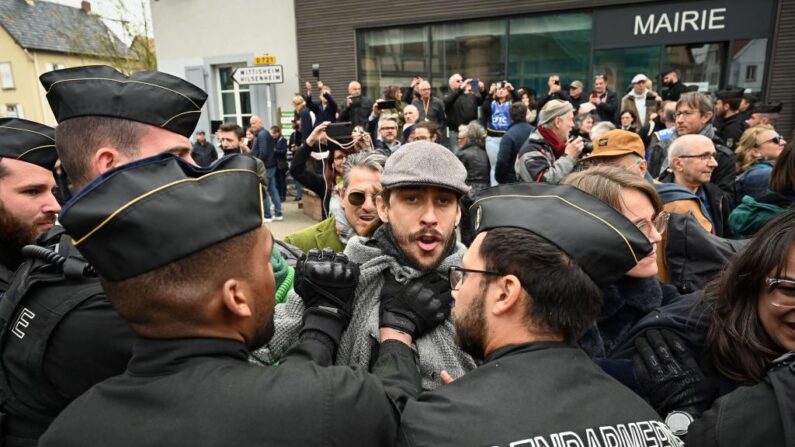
pixel 491 268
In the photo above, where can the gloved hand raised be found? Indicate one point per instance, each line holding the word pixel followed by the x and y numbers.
pixel 326 281
pixel 417 306
pixel 670 375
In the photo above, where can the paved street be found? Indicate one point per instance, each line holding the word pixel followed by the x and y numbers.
pixel 294 219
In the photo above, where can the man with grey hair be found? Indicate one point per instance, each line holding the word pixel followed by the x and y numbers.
pixel 357 106
pixel 601 128
pixel 461 105
pixel 548 155
pixel 692 161
pixel 430 108
pixel 422 184
pixel 361 182
pixel 694 114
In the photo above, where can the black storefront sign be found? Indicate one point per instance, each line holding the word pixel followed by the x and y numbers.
pixel 671 23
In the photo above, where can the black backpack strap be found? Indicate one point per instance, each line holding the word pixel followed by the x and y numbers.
pixel 782 376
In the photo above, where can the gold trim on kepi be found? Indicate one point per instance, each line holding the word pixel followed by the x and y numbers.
pixel 28 141
pixel 151 212
pixel 600 239
pixel 149 97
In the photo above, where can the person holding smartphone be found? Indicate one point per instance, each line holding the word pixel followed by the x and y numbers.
pixel 461 105
pixel 554 92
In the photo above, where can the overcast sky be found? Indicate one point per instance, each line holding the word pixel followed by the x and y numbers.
pixel 113 11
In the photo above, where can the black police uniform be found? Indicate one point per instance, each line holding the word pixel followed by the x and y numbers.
pixel 189 392
pixel 534 394
pixel 731 130
pixel 544 393
pixel 759 415
pixel 203 391
pixel 61 336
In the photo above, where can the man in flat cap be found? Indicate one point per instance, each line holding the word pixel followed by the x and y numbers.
pixel 422 186
pixel 198 291
pixel 27 205
pixel 729 124
pixel 549 155
pixel 106 119
pixel 526 290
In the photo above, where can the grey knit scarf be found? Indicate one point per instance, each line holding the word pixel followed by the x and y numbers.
pixel 437 349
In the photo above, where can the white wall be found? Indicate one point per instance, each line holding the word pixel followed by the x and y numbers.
pixel 190 33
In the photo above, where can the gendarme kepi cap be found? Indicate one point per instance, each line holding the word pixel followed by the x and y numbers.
pixel 149 97
pixel 423 163
pixel 603 242
pixel 151 212
pixel 28 141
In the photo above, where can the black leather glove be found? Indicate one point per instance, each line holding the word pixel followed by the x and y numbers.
pixel 417 306
pixel 670 375
pixel 326 281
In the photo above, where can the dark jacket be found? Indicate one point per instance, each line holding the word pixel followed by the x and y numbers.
pixel 544 392
pixel 308 178
pixel 673 92
pixel 537 162
pixel 62 338
pixel 280 151
pixel 476 162
pixel 358 112
pixel 204 154
pixel 435 112
pixel 265 148
pixel 625 303
pixel 461 108
pixel 557 95
pixel 751 416
pixel 753 182
pixel 203 391
pixel 608 106
pixel 511 143
pixel 307 123
pixel 731 129
pixel 322 114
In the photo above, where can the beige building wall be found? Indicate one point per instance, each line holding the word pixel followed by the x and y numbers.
pixel 208 33
pixel 26 66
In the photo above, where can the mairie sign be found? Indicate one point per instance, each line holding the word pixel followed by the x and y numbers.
pixel 268 74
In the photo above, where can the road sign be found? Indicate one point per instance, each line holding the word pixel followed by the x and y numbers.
pixel 267 74
pixel 266 59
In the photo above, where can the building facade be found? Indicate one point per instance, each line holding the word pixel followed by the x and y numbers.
pixel 37 37
pixel 205 41
pixel 712 43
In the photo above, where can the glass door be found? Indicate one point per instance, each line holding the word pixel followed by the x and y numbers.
pixel 698 64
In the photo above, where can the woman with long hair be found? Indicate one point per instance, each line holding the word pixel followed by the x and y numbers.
pixel 750 310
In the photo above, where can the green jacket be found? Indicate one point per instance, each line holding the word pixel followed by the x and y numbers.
pixel 321 235
pixel 752 215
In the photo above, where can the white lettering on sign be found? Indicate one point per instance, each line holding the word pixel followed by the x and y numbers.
pixel 681 21
pixel 268 74
pixel 22 321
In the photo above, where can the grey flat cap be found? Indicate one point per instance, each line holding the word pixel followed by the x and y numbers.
pixel 423 163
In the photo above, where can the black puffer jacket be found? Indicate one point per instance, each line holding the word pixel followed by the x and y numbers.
pixel 476 162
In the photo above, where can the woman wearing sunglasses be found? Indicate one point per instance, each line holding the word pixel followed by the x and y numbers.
pixel 756 153
pixel 754 212
pixel 639 291
pixel 751 313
